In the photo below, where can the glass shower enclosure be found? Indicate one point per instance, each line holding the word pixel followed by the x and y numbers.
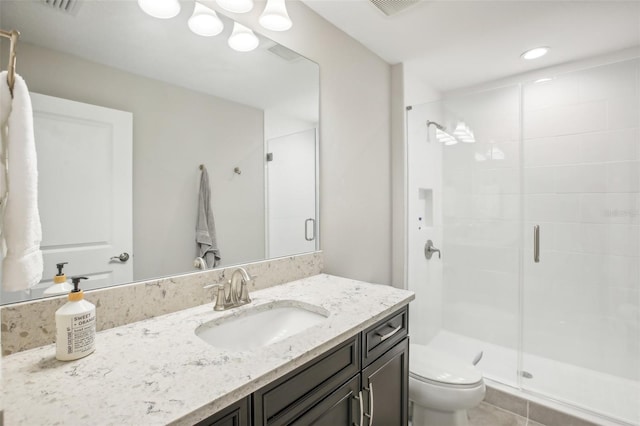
pixel 532 192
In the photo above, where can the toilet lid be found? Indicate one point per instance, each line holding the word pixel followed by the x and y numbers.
pixel 440 367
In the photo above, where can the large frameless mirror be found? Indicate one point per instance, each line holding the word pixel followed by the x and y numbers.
pixel 128 112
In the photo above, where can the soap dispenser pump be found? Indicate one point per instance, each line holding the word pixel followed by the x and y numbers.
pixel 60 284
pixel 75 325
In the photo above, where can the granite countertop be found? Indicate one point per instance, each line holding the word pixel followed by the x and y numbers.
pixel 157 371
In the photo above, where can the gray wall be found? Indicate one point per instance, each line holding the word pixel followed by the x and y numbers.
pixel 355 175
pixel 174 130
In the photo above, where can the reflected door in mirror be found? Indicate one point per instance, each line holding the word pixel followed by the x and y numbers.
pixel 291 165
pixel 84 163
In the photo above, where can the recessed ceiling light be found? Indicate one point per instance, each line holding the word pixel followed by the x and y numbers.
pixel 535 53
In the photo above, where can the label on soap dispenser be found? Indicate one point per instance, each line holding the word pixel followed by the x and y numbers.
pixel 76 334
pixel 81 333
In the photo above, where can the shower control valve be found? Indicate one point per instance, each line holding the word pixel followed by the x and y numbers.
pixel 429 250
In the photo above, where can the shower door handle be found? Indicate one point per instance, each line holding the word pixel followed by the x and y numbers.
pixel 536 243
pixel 313 229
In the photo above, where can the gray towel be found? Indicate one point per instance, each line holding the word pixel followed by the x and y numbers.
pixel 206 241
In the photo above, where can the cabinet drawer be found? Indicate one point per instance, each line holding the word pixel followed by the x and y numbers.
pixel 282 401
pixel 379 338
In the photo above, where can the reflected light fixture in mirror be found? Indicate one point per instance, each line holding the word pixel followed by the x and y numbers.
pixel 205 21
pixel 162 9
pixel 275 16
pixel 445 138
pixel 236 6
pixel 463 133
pixel 242 39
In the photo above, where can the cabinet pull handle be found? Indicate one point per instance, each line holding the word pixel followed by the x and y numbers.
pixel 384 337
pixel 359 399
pixel 370 415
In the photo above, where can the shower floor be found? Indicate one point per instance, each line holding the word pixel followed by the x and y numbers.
pixel 604 394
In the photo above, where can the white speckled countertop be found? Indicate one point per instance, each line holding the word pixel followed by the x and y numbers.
pixel 157 371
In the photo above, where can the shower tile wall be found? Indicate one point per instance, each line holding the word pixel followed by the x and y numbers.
pixel 581 152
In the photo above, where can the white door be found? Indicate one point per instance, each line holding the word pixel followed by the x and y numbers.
pixel 291 171
pixel 84 176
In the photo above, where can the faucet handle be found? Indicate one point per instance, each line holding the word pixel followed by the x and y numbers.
pixel 220 304
pixel 244 293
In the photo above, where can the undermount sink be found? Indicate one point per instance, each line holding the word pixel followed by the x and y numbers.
pixel 261 325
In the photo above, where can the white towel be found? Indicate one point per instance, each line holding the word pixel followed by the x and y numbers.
pixel 21 229
pixel 206 241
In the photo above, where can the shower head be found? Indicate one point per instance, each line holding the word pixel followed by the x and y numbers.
pixel 441 134
pixel 437 126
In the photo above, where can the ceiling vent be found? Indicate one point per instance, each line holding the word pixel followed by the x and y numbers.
pixel 392 7
pixel 284 53
pixel 66 6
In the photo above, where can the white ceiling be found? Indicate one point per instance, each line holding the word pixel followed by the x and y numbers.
pixel 451 44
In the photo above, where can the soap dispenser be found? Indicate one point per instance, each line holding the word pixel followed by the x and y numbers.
pixel 60 284
pixel 75 325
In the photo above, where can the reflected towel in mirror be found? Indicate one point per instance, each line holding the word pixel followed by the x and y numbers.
pixel 206 240
pixel 21 228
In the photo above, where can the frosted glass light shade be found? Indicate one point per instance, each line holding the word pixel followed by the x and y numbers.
pixel 162 9
pixel 275 16
pixel 236 6
pixel 205 21
pixel 242 39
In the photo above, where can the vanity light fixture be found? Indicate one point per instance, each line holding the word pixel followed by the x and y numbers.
pixel 236 6
pixel 205 21
pixel 535 53
pixel 242 39
pixel 162 9
pixel 275 16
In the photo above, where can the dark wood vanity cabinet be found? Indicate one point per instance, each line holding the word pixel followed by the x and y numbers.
pixel 363 381
pixel 237 414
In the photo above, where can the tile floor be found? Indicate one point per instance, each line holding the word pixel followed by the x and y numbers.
pixel 490 415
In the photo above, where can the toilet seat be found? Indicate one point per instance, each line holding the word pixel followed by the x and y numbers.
pixel 431 366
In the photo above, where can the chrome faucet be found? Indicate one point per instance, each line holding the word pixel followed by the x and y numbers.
pixel 233 292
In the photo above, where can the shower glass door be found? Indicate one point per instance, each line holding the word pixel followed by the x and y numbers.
pixel 464 186
pixel 581 176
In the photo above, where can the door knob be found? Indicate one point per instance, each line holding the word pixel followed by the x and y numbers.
pixel 123 257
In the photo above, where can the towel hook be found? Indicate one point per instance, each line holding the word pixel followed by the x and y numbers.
pixel 13 36
pixel 201 166
pixel 237 170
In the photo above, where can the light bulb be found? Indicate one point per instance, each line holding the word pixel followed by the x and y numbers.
pixel 236 6
pixel 205 21
pixel 275 16
pixel 162 9
pixel 242 39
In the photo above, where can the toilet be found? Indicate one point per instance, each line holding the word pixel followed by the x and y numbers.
pixel 442 388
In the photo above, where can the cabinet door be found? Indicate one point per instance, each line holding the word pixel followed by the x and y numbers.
pixel 338 409
pixel 385 386
pixel 236 414
pixel 284 400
